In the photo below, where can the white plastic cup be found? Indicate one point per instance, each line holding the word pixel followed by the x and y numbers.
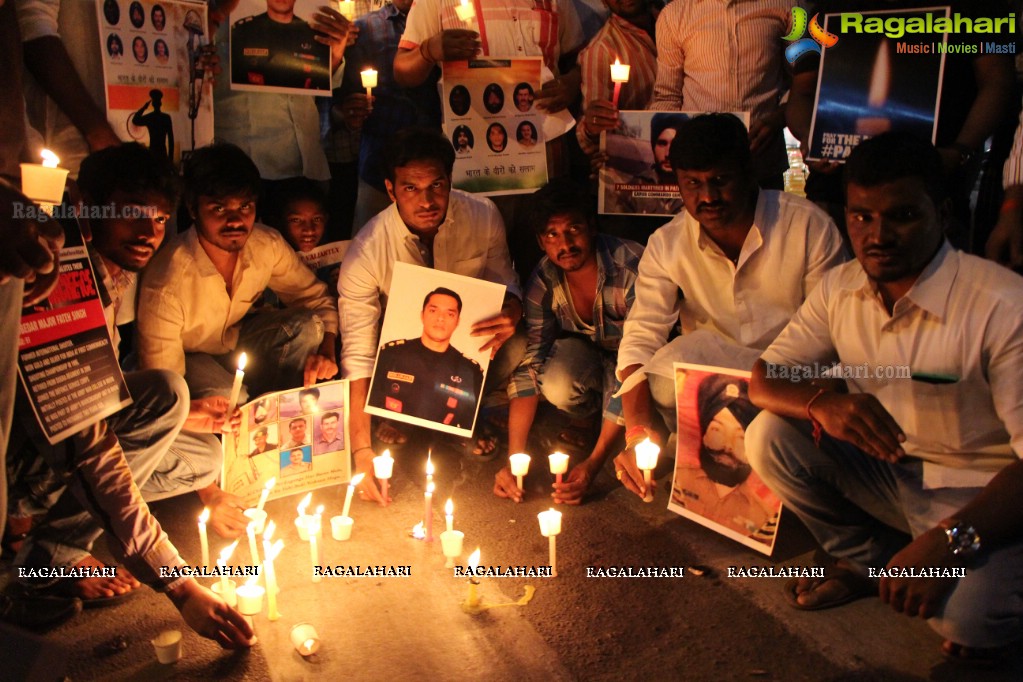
pixel 341 527
pixel 168 646
pixel 451 543
pixel 257 515
pixel 304 639
pixel 303 523
pixel 231 597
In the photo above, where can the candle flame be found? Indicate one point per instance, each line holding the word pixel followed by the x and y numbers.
pixel 465 3
pixel 268 532
pixel 387 454
pixel 50 160
pixel 646 454
pixel 449 507
pixel 225 554
pixel 306 501
pixel 242 359
pixel 272 482
pixel 417 531
pixel 474 559
pixel 356 480
pixel 274 550
pixel 319 510
pixel 429 463
pixel 617 63
pixel 205 516
pixel 308 644
pixel 880 78
pixel 430 488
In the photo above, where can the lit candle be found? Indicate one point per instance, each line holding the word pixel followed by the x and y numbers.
pixel 236 388
pixel 250 598
pixel 347 9
pixel 44 182
pixel 314 542
pixel 619 75
pixel 250 530
pixel 304 639
pixel 266 493
pixel 226 586
pixel 302 522
pixel 550 526
pixel 465 11
pixel 204 541
pixel 429 511
pixel 559 464
pixel 270 553
pixel 352 485
pixel 383 466
pixel 449 514
pixel 519 466
pixel 473 600
pixel 369 81
pixel 429 467
pixel 646 460
pixel 877 121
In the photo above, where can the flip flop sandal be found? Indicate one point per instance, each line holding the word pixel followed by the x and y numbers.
pixel 856 587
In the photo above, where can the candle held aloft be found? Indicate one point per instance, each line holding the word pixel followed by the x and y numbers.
pixel 369 81
pixel 44 182
pixel 519 466
pixel 619 75
pixel 204 541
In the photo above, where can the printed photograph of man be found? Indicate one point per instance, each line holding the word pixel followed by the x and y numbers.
pixel 297 461
pixel 493 98
pixel 523 97
pixel 115 48
pixel 309 400
pixel 279 49
pixel 427 377
pixel 497 137
pixel 462 140
pixel 459 100
pixel 136 14
pixel 264 439
pixel 159 17
pixel 160 51
pixel 264 410
pixel 111 12
pixel 298 430
pixel 329 438
pixel 525 134
pixel 140 50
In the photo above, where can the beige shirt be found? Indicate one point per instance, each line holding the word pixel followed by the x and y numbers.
pixel 184 306
pixel 962 320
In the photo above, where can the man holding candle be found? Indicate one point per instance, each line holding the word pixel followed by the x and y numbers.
pixel 576 303
pixel 937 454
pixel 196 296
pixel 429 225
pixel 732 268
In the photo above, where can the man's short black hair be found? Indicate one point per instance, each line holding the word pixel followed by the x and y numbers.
pixel 445 292
pixel 659 122
pixel 296 419
pixel 131 169
pixel 710 141
pixel 220 170
pixel 329 415
pixel 561 196
pixel 314 392
pixel 418 144
pixel 277 206
pixel 893 156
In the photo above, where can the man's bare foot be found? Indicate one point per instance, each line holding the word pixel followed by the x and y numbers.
pixel 88 589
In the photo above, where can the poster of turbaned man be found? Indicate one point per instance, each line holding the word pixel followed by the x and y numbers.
pixel 637 177
pixel 713 482
pixel 275 49
pixel 157 90
pixel 429 370
pixel 298 437
pixel 494 125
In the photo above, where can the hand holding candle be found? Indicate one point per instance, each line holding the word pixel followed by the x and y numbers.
pixel 519 466
pixel 619 75
pixel 44 183
pixel 204 541
pixel 646 461
pixel 550 526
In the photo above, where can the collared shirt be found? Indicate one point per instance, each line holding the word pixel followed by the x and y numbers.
pixel 471 242
pixel 113 292
pixel 550 312
pixel 184 306
pixel 685 277
pixel 959 331
pixel 725 55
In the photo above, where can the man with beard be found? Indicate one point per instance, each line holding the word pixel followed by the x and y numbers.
pixel 197 294
pixel 576 302
pixel 732 269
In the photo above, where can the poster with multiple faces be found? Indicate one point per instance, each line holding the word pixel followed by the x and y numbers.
pixel 713 483
pixel 494 126
pixel 157 92
pixel 637 177
pixel 299 436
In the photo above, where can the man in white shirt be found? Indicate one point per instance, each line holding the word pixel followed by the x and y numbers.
pixel 198 292
pixel 431 225
pixel 929 436
pixel 732 269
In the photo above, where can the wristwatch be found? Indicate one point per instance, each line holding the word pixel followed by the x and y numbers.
pixel 963 540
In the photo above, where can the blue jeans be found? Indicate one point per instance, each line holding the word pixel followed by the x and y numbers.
pixel 277 343
pixel 842 494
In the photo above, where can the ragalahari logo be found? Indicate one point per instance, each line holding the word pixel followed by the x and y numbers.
pixel 801 46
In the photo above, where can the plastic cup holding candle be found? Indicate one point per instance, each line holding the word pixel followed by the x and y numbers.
pixel 168 646
pixel 559 464
pixel 519 466
pixel 257 517
pixel 619 75
pixel 204 540
pixel 236 388
pixel 352 485
pixel 305 639
pixel 227 590
pixel 550 526
pixel 262 500
pixel 341 527
pixel 250 599
pixel 646 460
pixel 369 81
pixel 347 9
pixel 44 182
pixel 451 545
pixel 383 467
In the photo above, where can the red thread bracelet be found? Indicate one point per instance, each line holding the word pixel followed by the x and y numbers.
pixel 818 430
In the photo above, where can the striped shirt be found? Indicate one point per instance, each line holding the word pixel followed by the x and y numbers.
pixel 725 55
pixel 550 314
pixel 1012 173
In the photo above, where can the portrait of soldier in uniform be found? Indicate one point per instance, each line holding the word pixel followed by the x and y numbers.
pixel 278 49
pixel 427 377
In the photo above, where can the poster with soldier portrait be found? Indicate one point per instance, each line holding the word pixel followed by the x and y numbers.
pixel 713 483
pixel 274 48
pixel 429 370
pixel 637 178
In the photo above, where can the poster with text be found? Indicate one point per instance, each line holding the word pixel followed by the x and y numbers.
pixel 429 371
pixel 274 48
pixel 298 437
pixel 869 84
pixel 494 126
pixel 157 92
pixel 713 483
pixel 637 178
pixel 66 360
